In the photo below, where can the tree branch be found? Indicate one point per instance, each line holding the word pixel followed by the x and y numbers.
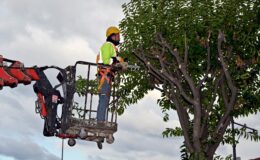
pixel 212 148
pixel 223 92
pixel 196 96
pixel 184 121
pixel 230 84
pixel 163 76
pixel 225 120
pixel 161 41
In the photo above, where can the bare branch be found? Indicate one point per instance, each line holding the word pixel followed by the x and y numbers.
pixel 225 120
pixel 232 87
pixel 163 76
pixel 159 89
pixel 223 92
pixel 218 138
pixel 196 100
pixel 161 41
pixel 184 121
pixel 140 56
pixel 176 82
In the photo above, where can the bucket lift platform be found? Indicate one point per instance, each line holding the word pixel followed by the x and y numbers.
pixel 78 119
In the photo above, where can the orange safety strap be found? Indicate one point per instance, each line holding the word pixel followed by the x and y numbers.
pixel 103 73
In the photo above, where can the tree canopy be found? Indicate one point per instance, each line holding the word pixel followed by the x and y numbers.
pixel 204 58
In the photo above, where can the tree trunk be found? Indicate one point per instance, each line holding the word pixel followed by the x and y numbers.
pixel 198 156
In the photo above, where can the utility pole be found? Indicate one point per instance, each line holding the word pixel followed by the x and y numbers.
pixel 62 148
pixel 233 123
pixel 234 140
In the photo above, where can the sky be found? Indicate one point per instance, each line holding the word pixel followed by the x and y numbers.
pixel 61 32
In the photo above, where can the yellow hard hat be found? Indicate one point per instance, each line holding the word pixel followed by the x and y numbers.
pixel 112 30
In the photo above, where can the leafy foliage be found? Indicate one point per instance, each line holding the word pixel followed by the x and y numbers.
pixel 133 86
pixel 82 84
pixel 242 132
pixel 229 157
pixel 170 132
pixel 166 35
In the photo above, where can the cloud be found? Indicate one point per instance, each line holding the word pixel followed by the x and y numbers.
pixel 24 149
pixel 18 114
pixel 148 112
pixel 63 18
pixel 39 47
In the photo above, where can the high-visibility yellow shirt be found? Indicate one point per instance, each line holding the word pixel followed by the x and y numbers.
pixel 107 51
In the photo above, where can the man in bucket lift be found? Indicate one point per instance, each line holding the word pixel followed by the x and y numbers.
pixel 107 56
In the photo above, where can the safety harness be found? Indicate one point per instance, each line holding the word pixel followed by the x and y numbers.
pixel 104 72
pixel 106 75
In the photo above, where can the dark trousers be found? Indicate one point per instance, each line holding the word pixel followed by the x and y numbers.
pixel 103 103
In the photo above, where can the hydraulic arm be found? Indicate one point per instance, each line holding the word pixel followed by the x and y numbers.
pixel 13 73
